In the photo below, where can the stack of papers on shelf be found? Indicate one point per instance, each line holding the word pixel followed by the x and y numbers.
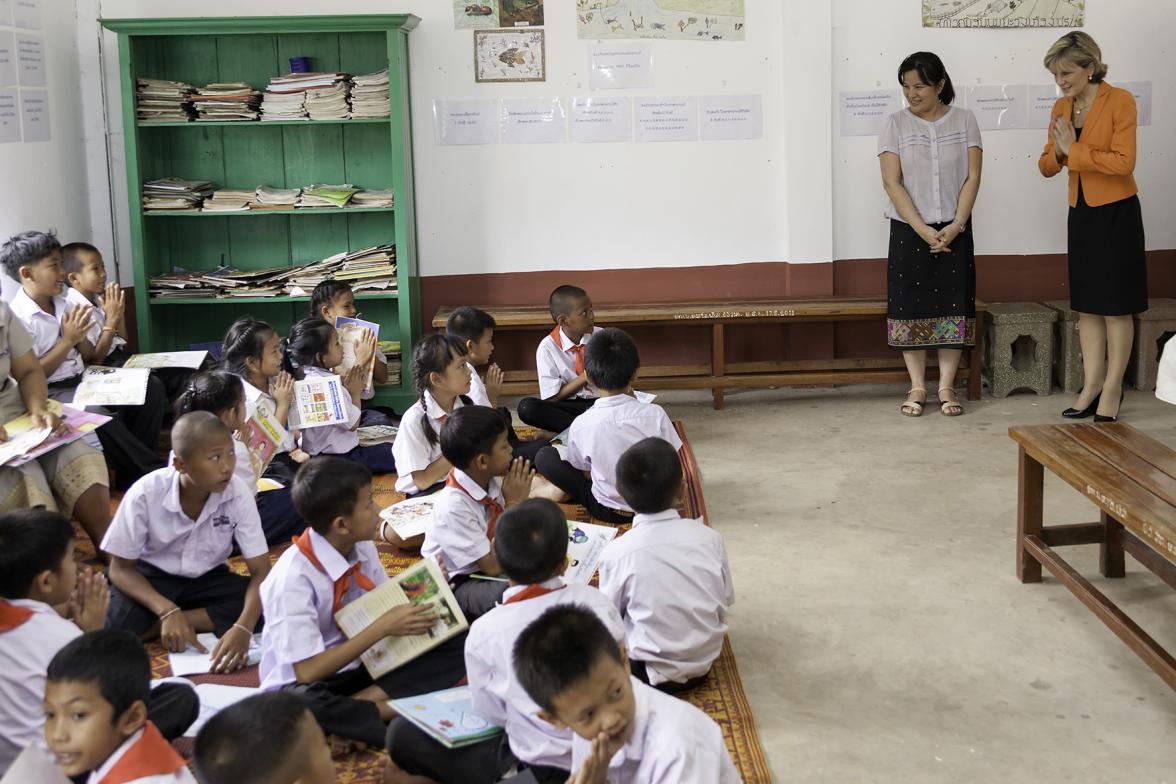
pixel 329 103
pixel 172 193
pixel 286 96
pixel 160 100
pixel 267 198
pixel 229 200
pixel 226 102
pixel 391 351
pixel 278 106
pixel 301 82
pixel 369 95
pixel 384 198
pixel 327 195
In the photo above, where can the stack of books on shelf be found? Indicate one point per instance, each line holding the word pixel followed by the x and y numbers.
pixel 330 103
pixel 369 95
pixel 229 200
pixel 384 198
pixel 172 193
pixel 370 269
pixel 286 96
pixel 268 198
pixel 232 101
pixel 160 100
pixel 391 352
pixel 326 196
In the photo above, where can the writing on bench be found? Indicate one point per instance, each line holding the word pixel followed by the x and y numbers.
pixel 726 314
pixel 1159 539
pixel 1117 508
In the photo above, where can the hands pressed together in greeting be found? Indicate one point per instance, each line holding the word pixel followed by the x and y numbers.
pixel 1061 130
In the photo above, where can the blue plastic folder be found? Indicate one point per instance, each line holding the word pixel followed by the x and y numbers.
pixel 447 716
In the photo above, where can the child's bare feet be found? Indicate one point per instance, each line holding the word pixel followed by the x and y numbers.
pixel 541 488
pixel 393 774
pixel 387 534
pixel 341 747
pixel 544 435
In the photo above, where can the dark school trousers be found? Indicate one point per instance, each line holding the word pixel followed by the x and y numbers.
pixel 377 457
pixel 172 707
pixel 519 448
pixel 477 597
pixel 332 704
pixel 641 672
pixel 280 521
pixel 480 763
pixel 553 415
pixel 370 415
pixel 219 591
pixel 572 481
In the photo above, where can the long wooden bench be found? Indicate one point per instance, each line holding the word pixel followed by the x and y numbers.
pixel 1131 478
pixel 719 374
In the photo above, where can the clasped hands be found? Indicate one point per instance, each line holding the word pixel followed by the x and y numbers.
pixel 940 241
pixel 1063 134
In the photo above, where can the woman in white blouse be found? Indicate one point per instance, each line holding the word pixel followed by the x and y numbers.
pixel 930 154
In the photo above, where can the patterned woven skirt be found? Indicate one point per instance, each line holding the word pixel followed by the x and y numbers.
pixel 931 298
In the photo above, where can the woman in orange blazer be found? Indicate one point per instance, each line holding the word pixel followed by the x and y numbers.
pixel 1092 133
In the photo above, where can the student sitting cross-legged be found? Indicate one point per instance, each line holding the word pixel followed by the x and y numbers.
pixel 531 545
pixel 668 577
pixel 601 434
pixel 170 540
pixel 484 481
pixel 38 573
pixel 333 563
pixel 569 664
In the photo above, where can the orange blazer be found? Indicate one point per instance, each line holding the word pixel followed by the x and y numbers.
pixel 1104 158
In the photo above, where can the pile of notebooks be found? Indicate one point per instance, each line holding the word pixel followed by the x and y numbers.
pixel 384 198
pixel 369 95
pixel 229 200
pixel 330 103
pixel 231 101
pixel 391 351
pixel 267 198
pixel 326 196
pixel 287 97
pixel 172 193
pixel 160 100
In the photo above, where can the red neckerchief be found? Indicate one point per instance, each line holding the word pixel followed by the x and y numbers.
pixel 493 506
pixel 577 349
pixel 532 592
pixel 150 755
pixel 12 616
pixel 343 584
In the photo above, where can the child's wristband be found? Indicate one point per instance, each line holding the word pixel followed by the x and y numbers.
pixel 163 617
pixel 242 628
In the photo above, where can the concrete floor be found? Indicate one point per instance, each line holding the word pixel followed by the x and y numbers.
pixel 880 631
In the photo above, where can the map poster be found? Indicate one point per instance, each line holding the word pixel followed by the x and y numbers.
pixel 965 14
pixel 677 20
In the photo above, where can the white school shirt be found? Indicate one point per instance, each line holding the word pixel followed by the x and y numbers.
pixel 26 652
pixel 478 394
pixel 335 439
pixel 455 534
pixel 255 397
pixel 496 693
pixel 151 526
pixel 180 776
pixel 75 298
pixel 599 436
pixel 411 449
pixel 298 603
pixel 669 579
pixel 45 329
pixel 934 158
pixel 557 367
pixel 672 742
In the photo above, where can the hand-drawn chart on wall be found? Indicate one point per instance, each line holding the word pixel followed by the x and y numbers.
pixel 1004 13
pixel 680 20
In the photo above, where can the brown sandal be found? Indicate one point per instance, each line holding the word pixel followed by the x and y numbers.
pixel 913 408
pixel 949 406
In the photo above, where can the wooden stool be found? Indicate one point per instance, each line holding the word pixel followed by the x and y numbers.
pixel 1067 362
pixel 1150 329
pixel 1019 347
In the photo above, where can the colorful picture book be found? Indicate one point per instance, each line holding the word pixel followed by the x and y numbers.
pixel 112 386
pixel 351 332
pixel 318 401
pixel 420 584
pixel 586 543
pixel 447 716
pixel 167 359
pixel 262 435
pixel 408 518
pixel 78 423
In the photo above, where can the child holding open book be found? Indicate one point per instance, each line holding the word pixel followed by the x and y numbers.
pixel 331 300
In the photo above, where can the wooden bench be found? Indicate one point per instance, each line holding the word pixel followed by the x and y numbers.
pixel 1131 478
pixel 718 374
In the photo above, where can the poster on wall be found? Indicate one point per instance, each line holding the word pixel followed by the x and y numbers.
pixel 533 121
pixel 26 14
pixel 9 115
pixel 1040 102
pixel 475 15
pixel 620 66
pixel 1003 13
pixel 1143 100
pixel 678 20
pixel 7 60
pixel 5 13
pixel 730 117
pixel 667 119
pixel 596 120
pixel 509 56
pixel 520 13
pixel 30 60
pixel 466 121
pixel 863 113
pixel 34 115
pixel 999 107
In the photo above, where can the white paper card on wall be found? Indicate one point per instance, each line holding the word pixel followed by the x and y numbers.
pixel 619 66
pixel 9 115
pixel 863 113
pixel 1143 100
pixel 1040 102
pixel 667 119
pixel 26 14
pixel 34 115
pixel 8 76
pixel 30 60
pixel 5 12
pixel 730 117
pixel 602 119
pixel 466 121
pixel 533 121
pixel 999 107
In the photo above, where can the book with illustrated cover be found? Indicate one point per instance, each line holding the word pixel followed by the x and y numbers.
pixel 586 543
pixel 408 517
pixel 351 332
pixel 78 423
pixel 420 584
pixel 262 435
pixel 165 359
pixel 112 386
pixel 318 401
pixel 447 716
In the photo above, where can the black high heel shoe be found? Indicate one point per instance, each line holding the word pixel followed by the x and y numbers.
pixel 1115 418
pixel 1074 413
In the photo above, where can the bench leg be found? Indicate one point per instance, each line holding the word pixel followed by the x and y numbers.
pixel 1111 562
pixel 718 365
pixel 1029 507
pixel 975 360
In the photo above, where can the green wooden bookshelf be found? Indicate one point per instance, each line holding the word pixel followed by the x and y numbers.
pixel 369 153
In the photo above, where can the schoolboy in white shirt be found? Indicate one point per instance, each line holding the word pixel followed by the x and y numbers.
pixel 334 562
pixel 667 576
pixel 565 391
pixel 625 731
pixel 485 481
pixel 599 437
pixel 85 272
pixel 170 541
pixel 531 545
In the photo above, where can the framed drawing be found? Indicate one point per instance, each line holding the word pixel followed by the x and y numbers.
pixel 509 56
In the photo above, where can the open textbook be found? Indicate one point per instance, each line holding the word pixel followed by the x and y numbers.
pixel 78 423
pixel 318 401
pixel 447 716
pixel 408 518
pixel 112 386
pixel 167 359
pixel 351 332
pixel 420 584
pixel 586 543
pixel 262 435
